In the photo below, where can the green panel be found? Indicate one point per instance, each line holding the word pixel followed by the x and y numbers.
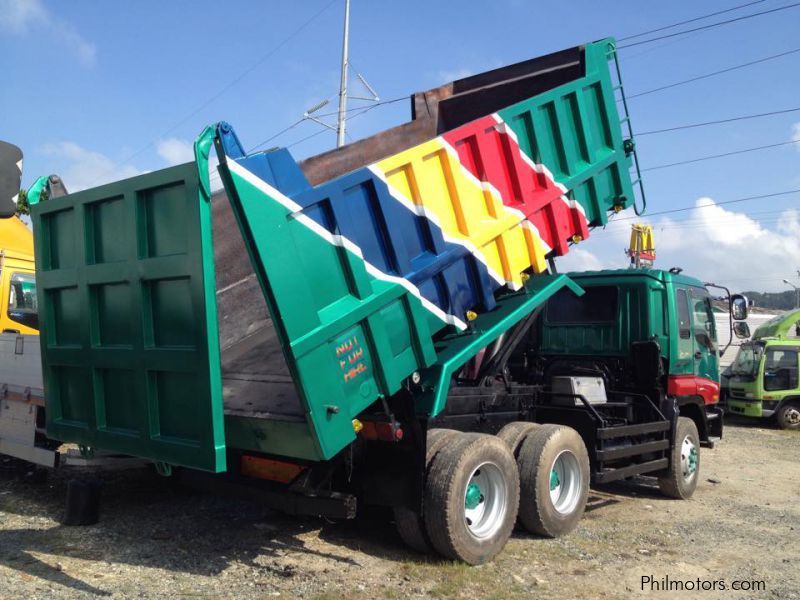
pixel 111 307
pixel 168 305
pixel 59 241
pixel 575 130
pixel 176 396
pixel 64 304
pixel 126 290
pixel 106 222
pixel 118 407
pixel 163 231
pixel 349 336
pixel 74 395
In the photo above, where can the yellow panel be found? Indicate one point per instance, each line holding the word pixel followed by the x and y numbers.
pixel 466 210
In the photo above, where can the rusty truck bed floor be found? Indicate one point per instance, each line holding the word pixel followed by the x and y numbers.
pixel 256 381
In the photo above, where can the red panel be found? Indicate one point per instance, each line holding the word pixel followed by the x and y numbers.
pixel 493 156
pixel 692 385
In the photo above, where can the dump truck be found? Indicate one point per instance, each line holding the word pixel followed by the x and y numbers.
pixel 763 381
pixel 379 324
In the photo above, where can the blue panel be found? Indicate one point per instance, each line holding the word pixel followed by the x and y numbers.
pixel 394 239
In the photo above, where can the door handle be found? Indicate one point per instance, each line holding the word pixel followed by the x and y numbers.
pixel 698 355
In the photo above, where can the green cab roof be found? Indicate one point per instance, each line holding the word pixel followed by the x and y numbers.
pixel 777 327
pixel 624 274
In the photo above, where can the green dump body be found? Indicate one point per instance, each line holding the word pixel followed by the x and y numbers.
pixel 177 323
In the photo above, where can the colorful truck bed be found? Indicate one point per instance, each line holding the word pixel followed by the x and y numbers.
pixel 176 324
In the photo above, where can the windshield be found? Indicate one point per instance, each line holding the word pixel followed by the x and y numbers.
pixel 747 360
pixel 597 305
pixel 22 304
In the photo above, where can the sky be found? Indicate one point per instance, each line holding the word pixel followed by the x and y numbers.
pixel 97 91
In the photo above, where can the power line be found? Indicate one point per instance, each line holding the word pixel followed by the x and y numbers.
pixel 685 208
pixel 712 156
pixel 299 121
pixel 713 14
pixel 710 25
pixel 729 120
pixel 230 84
pixel 321 131
pixel 353 108
pixel 707 75
pixel 757 212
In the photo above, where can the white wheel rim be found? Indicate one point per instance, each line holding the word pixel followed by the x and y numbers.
pixel 566 485
pixel 793 415
pixel 689 459
pixel 485 501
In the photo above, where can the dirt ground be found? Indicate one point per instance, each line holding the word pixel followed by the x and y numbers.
pixel 160 540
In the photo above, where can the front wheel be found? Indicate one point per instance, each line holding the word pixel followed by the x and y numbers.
pixel 788 415
pixel 684 469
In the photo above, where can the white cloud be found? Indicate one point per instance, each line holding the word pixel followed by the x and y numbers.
pixel 579 259
pixel 175 151
pixel 81 168
pixel 713 243
pixel 20 17
pixel 17 16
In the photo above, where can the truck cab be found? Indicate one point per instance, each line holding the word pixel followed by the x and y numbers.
pixel 763 379
pixel 599 334
pixel 19 312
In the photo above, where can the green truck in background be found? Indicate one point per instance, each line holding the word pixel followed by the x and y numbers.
pixel 763 380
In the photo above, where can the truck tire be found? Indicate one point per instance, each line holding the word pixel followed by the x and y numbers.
pixel 409 523
pixel 554 480
pixel 471 498
pixel 788 415
pixel 684 471
pixel 515 433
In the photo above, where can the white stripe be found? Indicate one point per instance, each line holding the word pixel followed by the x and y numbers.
pixel 19 166
pixel 338 240
pixel 502 127
pixel 422 211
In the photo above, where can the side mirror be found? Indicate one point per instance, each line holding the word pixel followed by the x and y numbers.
pixel 10 178
pixel 741 330
pixel 739 306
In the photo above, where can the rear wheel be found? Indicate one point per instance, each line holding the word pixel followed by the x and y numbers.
pixel 554 480
pixel 471 498
pixel 515 433
pixel 409 523
pixel 788 415
pixel 684 471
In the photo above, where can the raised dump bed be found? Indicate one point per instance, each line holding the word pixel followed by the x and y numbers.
pixel 176 325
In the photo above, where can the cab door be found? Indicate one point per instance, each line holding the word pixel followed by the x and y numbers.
pixel 683 355
pixel 704 335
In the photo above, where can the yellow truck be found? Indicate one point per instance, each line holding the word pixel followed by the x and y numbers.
pixel 17 279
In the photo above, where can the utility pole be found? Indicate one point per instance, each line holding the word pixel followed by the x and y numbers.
pixel 343 82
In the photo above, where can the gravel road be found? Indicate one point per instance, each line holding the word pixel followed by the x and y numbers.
pixel 156 539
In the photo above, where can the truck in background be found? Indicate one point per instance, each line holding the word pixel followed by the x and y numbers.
pixel 763 378
pixel 383 324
